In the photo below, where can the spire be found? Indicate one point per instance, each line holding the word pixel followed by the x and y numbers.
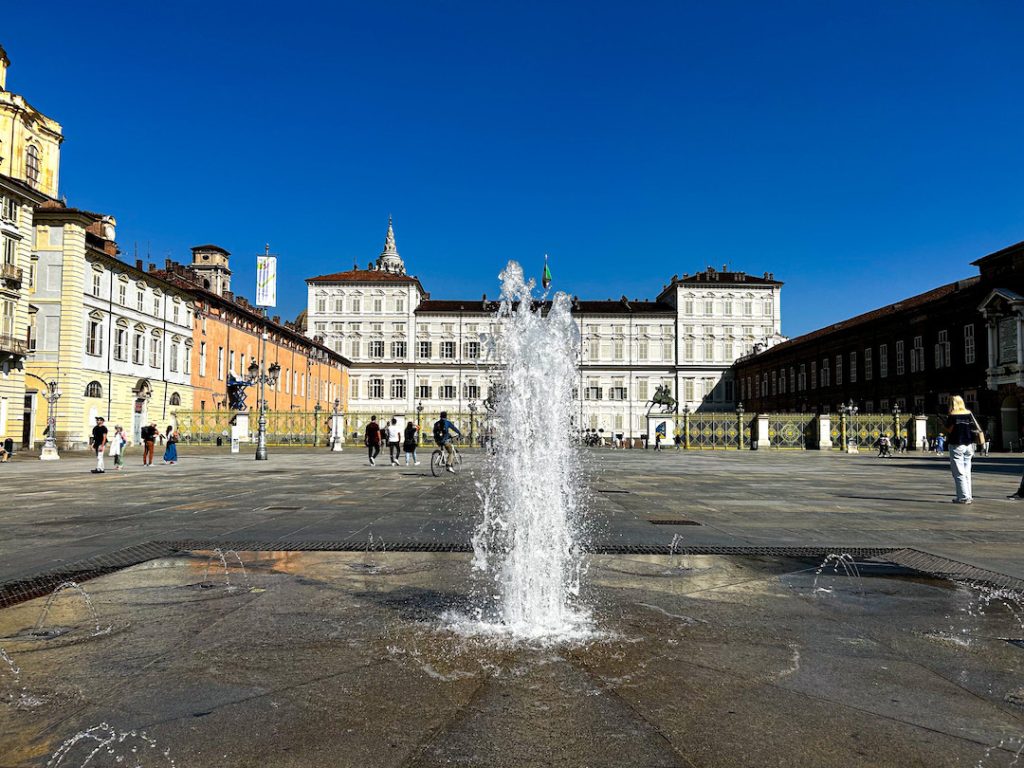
pixel 389 260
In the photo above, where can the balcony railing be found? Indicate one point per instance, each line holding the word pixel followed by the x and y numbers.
pixel 12 346
pixel 11 273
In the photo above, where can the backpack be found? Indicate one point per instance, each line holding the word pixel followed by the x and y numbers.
pixel 439 431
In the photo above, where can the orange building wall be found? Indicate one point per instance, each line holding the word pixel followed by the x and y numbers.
pixel 319 381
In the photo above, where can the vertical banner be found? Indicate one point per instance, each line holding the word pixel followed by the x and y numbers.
pixel 266 281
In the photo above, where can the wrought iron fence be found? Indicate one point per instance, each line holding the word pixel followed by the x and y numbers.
pixel 792 430
pixel 713 431
pixel 864 429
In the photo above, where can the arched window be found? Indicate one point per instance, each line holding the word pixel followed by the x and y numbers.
pixel 93 389
pixel 175 398
pixel 32 164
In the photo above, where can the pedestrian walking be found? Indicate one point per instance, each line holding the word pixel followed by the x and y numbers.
pixel 371 439
pixel 394 441
pixel 678 440
pixel 410 444
pixel 171 441
pixel 99 444
pixel 964 433
pixel 149 435
pixel 117 444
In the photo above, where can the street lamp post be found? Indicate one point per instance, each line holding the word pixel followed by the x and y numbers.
pixel 335 431
pixel 257 375
pixel 849 411
pixel 739 424
pixel 472 413
pixel 51 394
pixel 419 417
pixel 316 422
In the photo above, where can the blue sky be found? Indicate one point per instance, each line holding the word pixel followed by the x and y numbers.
pixel 862 151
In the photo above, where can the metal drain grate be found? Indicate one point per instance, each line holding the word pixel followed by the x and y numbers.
pixel 37 585
pixel 1014 641
pixel 670 521
pixel 281 509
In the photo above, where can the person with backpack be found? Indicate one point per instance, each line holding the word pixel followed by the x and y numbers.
pixel 171 441
pixel 394 437
pixel 372 440
pixel 410 444
pixel 149 435
pixel 442 436
pixel 964 432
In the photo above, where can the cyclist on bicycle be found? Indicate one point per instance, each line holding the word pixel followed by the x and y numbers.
pixel 442 436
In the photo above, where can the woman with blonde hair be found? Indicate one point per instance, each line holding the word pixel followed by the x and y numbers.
pixel 962 428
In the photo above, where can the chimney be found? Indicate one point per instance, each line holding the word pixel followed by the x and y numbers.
pixel 138 265
pixel 4 64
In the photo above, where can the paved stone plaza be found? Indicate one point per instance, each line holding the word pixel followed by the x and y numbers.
pixel 349 658
pixel 57 512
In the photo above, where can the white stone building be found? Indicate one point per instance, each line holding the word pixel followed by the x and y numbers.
pixel 408 349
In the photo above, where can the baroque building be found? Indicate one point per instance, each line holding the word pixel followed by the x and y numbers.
pixel 116 339
pixel 229 333
pixel 409 350
pixel 29 172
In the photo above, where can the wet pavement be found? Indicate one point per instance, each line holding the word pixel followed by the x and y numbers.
pixel 351 659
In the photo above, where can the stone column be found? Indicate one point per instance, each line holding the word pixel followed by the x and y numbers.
pixel 824 432
pixel 842 430
pixel 739 425
pixel 686 429
pixel 337 431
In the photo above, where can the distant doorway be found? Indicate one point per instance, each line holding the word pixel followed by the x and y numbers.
pixel 1009 419
pixel 28 421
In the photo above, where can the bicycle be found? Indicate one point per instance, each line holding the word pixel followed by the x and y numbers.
pixel 437 461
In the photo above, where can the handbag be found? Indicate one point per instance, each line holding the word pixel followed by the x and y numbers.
pixel 979 435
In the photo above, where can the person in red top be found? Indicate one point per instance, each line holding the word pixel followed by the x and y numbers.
pixel 372 440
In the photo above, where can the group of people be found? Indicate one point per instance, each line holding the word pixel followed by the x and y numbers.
pixel 103 443
pixel 407 440
pixel 890 446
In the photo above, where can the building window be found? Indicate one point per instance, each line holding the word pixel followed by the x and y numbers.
pixel 356 347
pixel 9 257
pixel 727 307
pixel 32 164
pixel 140 299
pixel 174 313
pixel 426 349
pixel 156 306
pixel 668 350
pixel 357 304
pixel 121 342
pixel 472 391
pixel 398 349
pixel 448 392
pixel 619 349
pixel 642 351
pixel 471 349
pixel 869 369
pixel 709 349
pixel 839 370
pixel 792 379
pixel 93 389
pixel 748 308
pixel 321 305
pixel 375 389
pixel 917 356
pixel 802 380
pixel 447 350
pixel 883 361
pixel 139 348
pixel 202 358
pixel 942 351
pixel 853 367
pixel 155 350
pixel 188 357
pixel 641 390
pixel 173 362
pixel 826 375
pixel 339 305
pixel 220 363
pixel 175 399
pixel 397 389
pixel 376 348
pixel 424 390
pixel 709 307
pixel 769 308
pixel 9 209
pixel 900 361
pixel 688 307
pixel 969 344
pixel 814 375
pixel 782 385
pixel 122 294
pixel 399 305
pixel 97 283
pixel 94 336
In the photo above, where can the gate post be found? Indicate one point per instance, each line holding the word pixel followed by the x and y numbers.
pixel 739 425
pixel 686 427
pixel 842 429
pixel 824 431
pixel 920 430
pixel 762 433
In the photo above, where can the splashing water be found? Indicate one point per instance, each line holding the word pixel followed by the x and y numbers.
pixel 74 587
pixel 527 537
pixel 837 561
pixel 102 745
pixel 223 556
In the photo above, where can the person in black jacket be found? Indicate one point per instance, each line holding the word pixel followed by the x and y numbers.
pixel 962 428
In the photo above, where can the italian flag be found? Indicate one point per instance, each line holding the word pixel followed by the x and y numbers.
pixel 546 279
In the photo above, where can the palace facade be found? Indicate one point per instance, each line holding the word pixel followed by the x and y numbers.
pixel 964 338
pixel 409 350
